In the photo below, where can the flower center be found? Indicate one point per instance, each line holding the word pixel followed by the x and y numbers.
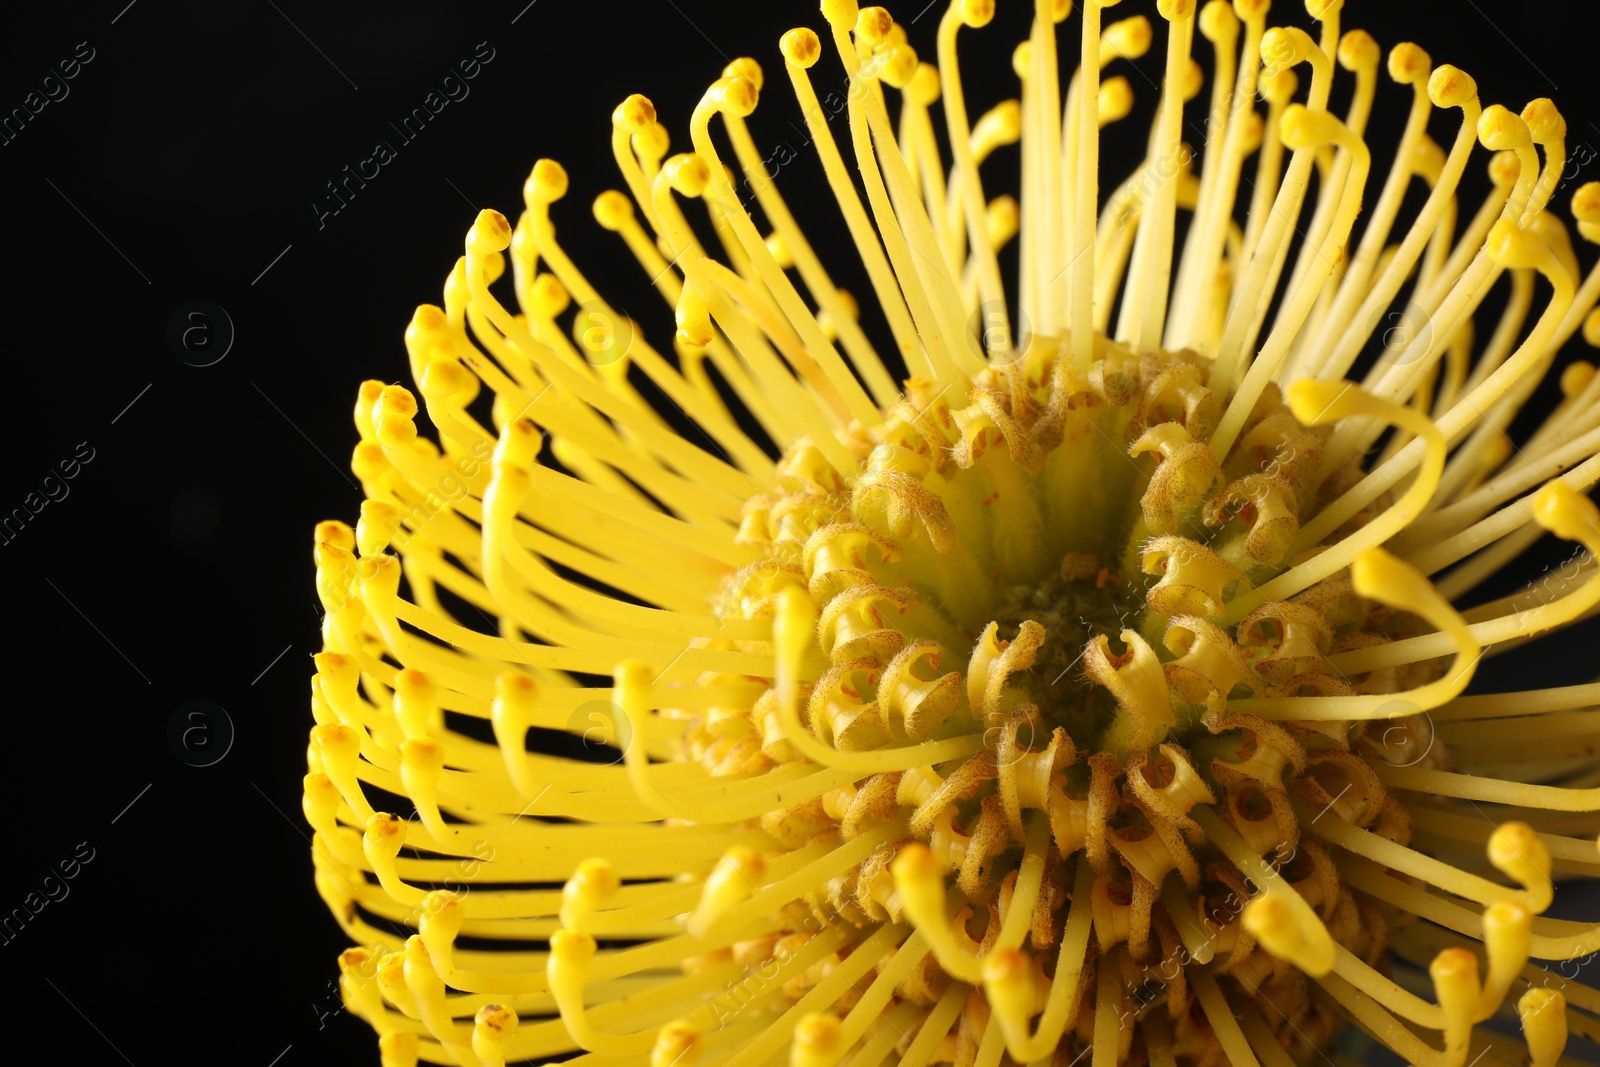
pixel 1083 600
pixel 1063 569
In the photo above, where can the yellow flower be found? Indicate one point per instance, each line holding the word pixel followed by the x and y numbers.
pixel 1049 686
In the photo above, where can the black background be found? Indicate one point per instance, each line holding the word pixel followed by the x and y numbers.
pixel 182 166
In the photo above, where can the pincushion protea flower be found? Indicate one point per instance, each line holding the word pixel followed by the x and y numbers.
pixel 1084 696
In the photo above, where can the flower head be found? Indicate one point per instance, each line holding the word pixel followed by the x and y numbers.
pixel 1049 678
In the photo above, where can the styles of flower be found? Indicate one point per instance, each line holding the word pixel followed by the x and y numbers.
pixel 969 673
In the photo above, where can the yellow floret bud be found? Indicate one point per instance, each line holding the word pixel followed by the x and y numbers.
pixel 1500 129
pixel 383 840
pixel 1507 937
pixel 1116 99
pixel 1000 125
pixel 1022 59
pixel 336 533
pixel 571 956
pixel 800 47
pixel 1302 127
pixel 1504 168
pixel 1278 85
pixel 1315 401
pixel 1586 202
pixel 593 883
pixel 546 184
pixel 873 25
pixel 635 114
pixel 746 68
pixel 1376 572
pixel 1008 980
pixel 818 1041
pixel 613 209
pixel 737 96
pixel 1515 848
pixel 416 701
pixel 1273 921
pixel 1409 64
pixel 976 14
pixel 695 327
pixel 840 12
pixel 1194 79
pixel 319 799
pixel 1218 23
pixel 492 1030
pixel 1544 1025
pixel 1567 513
pixel 1285 46
pixel 899 66
pixel 677 1045
pixel 1450 86
pixel 1455 982
pixel 338 746
pixel 737 875
pixel 398 1048
pixel 1545 123
pixel 1576 377
pixel 1127 39
pixel 687 174
pixel 920 881
pixel 491 232
pixel 1358 51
